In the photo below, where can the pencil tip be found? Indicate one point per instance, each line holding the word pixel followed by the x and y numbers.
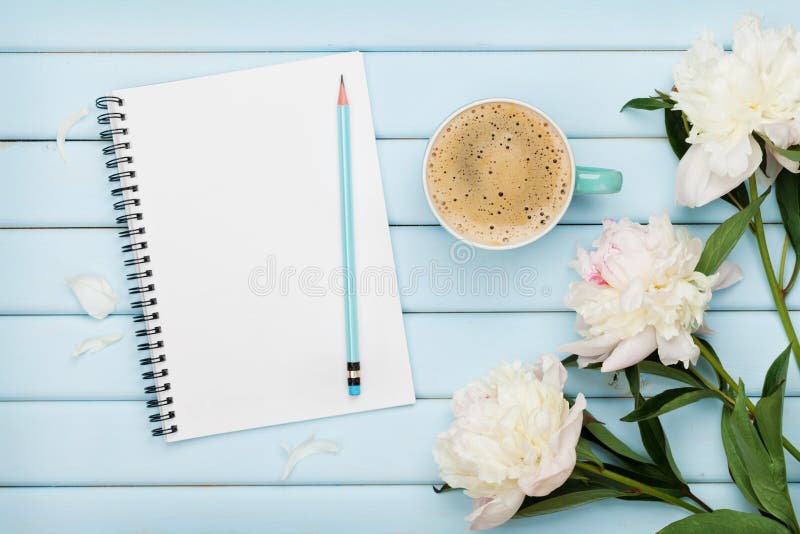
pixel 342 92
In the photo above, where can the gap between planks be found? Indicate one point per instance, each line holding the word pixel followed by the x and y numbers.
pixel 367 50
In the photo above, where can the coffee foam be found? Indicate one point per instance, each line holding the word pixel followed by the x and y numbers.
pixel 499 173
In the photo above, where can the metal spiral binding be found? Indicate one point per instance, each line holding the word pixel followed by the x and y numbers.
pixel 121 161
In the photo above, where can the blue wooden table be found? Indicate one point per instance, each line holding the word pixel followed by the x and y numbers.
pixel 76 454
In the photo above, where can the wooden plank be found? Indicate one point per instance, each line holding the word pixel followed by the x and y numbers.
pixel 447 351
pixel 109 443
pixel 356 509
pixel 411 93
pixel 435 271
pixel 511 25
pixel 38 189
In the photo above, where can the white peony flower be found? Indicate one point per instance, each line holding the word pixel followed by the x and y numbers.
pixel 514 435
pixel 640 292
pixel 727 96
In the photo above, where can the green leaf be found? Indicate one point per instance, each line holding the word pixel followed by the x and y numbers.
pixel 650 103
pixel 787 190
pixel 570 361
pixel 792 153
pixel 767 479
pixel 608 440
pixel 666 401
pixel 652 433
pixel 676 131
pixel 738 196
pixel 678 374
pixel 769 411
pixel 721 242
pixel 776 374
pixel 711 353
pixel 724 522
pixel 736 467
pixel 584 452
pixel 570 500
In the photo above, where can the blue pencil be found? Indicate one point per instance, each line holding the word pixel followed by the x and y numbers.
pixel 348 249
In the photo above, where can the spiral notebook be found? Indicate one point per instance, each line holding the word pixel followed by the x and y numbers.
pixel 229 188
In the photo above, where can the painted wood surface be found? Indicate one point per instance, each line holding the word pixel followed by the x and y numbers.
pixel 78 443
pixel 406 509
pixel 38 189
pixel 435 272
pixel 415 25
pixel 79 423
pixel 447 351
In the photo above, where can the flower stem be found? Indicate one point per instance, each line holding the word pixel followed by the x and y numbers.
pixel 791 278
pixel 699 501
pixel 782 268
pixel 775 289
pixel 790 448
pixel 711 386
pixel 635 484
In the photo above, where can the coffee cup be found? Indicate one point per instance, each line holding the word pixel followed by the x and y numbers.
pixel 518 167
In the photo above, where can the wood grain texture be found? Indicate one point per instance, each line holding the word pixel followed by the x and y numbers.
pixel 417 25
pixel 37 188
pixel 108 443
pixel 411 93
pixel 409 509
pixel 447 351
pixel 69 421
pixel 436 273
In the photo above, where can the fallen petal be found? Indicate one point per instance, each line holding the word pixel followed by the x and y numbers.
pixel 94 293
pixel 96 344
pixel 307 448
pixel 65 126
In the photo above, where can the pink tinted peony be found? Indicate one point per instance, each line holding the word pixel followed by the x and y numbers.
pixel 640 292
pixel 514 435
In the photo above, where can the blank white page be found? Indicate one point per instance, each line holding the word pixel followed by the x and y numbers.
pixel 238 183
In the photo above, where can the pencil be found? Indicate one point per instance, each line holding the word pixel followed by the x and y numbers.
pixel 348 246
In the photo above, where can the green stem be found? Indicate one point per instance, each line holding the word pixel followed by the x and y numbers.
pixel 775 289
pixel 792 278
pixel 790 448
pixel 782 268
pixel 635 484
pixel 711 386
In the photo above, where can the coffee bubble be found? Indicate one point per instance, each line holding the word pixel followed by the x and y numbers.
pixel 514 163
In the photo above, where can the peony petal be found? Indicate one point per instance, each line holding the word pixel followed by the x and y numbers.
pixel 705 330
pixel 631 299
pixel 310 446
pixel 631 351
pixel 696 184
pixel 490 512
pixel 96 344
pixel 64 127
pixel 593 346
pixel 552 473
pixel 783 135
pixel 94 293
pixel 549 370
pixel 729 273
pixel 679 348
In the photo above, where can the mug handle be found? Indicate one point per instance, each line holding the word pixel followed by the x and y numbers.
pixel 596 181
